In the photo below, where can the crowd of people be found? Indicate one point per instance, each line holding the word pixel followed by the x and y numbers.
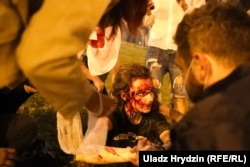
pixel 205 49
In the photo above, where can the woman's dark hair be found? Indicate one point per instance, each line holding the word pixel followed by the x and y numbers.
pixel 132 11
pixel 124 78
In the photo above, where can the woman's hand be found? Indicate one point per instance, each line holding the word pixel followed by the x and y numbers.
pixel 7 157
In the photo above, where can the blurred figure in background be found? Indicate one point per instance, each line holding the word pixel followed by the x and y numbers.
pixel 217 75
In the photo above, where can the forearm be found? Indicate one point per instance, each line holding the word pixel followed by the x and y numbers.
pixel 103 155
pixel 165 137
pixel 115 69
pixel 87 73
pixel 47 52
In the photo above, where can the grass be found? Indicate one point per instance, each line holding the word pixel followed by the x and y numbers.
pixel 45 115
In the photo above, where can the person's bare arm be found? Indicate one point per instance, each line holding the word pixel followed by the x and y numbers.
pixel 95 79
pixel 165 136
pixel 7 157
pixel 171 113
pixel 29 89
pixel 248 12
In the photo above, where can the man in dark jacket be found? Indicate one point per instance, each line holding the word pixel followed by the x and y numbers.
pixel 214 54
pixel 213 51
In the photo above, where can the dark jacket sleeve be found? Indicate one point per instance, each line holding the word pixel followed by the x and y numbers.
pixel 12 99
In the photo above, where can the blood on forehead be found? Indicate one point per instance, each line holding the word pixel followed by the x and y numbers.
pixel 141 84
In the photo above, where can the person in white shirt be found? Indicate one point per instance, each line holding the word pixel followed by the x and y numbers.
pixel 102 52
pixel 160 53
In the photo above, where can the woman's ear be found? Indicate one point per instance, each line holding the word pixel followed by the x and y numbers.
pixel 124 96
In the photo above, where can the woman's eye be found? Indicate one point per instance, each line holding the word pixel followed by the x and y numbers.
pixel 142 93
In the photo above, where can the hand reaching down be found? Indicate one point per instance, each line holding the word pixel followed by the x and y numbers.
pixel 7 157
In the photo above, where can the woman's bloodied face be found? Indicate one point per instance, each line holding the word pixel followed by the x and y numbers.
pixel 141 95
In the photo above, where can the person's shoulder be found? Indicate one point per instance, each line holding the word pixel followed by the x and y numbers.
pixel 156 115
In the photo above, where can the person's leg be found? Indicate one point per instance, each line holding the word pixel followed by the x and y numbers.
pixel 152 62
pixel 179 98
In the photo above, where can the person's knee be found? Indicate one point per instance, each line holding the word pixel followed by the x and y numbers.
pixel 180 105
pixel 152 63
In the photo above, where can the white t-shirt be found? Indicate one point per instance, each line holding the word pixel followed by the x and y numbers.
pixel 102 60
pixel 167 15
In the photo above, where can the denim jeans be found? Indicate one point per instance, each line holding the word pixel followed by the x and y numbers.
pixel 161 62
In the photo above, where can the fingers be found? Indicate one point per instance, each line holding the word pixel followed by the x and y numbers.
pixel 146 145
pixel 30 89
pixel 134 159
pixel 143 144
pixel 7 157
